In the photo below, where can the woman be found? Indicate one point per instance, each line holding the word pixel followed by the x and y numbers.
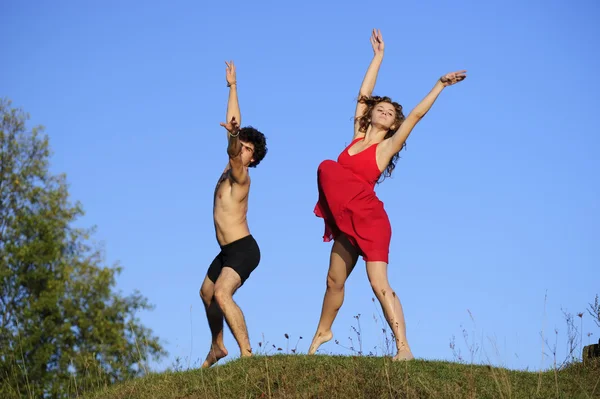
pixel 354 217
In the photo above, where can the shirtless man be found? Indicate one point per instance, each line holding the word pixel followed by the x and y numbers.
pixel 240 253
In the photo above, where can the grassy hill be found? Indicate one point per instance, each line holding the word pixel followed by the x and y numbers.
pixel 300 376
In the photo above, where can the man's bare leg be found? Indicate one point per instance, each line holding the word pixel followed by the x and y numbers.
pixel 227 283
pixel 215 323
pixel 392 309
pixel 341 263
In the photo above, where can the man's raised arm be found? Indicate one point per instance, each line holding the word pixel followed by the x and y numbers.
pixel 233 107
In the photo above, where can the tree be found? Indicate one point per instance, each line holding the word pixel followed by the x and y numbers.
pixel 594 311
pixel 63 328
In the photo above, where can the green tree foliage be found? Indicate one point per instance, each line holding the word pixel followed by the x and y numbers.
pixel 63 328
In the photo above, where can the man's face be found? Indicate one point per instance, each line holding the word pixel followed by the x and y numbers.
pixel 247 153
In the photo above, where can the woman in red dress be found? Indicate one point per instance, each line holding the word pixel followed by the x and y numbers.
pixel 354 217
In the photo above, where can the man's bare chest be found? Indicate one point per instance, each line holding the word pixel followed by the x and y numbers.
pixel 223 184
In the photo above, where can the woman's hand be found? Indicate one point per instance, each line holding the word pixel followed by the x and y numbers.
pixel 453 78
pixel 377 42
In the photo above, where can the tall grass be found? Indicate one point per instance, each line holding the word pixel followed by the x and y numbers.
pixel 282 371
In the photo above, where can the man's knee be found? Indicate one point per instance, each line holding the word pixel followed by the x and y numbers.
pixel 207 291
pixel 222 294
pixel 206 297
pixel 227 284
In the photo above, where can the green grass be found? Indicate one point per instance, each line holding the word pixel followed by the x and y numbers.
pixel 320 376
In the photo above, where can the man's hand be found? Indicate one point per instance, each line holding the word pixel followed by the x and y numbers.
pixel 239 173
pixel 233 107
pixel 230 73
pixel 232 127
pixel 377 42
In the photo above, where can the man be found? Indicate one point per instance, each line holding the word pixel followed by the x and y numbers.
pixel 240 253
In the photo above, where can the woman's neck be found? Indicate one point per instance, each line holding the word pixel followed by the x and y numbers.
pixel 375 135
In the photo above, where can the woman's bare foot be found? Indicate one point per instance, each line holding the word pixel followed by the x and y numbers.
pixel 214 355
pixel 403 354
pixel 319 340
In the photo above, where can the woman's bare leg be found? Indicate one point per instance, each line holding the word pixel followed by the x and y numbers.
pixel 392 309
pixel 342 261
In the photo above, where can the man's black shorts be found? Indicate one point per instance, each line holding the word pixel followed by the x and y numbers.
pixel 242 256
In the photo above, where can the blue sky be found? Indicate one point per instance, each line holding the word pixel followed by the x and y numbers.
pixel 493 206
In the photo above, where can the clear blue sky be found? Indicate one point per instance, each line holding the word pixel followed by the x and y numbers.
pixel 494 204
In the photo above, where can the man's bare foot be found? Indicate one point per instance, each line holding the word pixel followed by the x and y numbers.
pixel 404 354
pixel 214 355
pixel 319 340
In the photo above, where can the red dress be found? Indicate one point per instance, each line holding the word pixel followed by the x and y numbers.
pixel 348 203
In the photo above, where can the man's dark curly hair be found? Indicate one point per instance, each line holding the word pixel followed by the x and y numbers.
pixel 365 119
pixel 251 135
